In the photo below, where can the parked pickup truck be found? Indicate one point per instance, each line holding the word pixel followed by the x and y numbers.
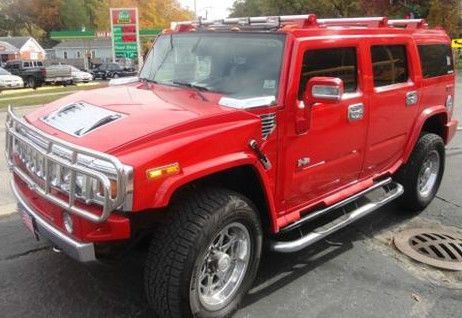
pixel 32 72
pixel 35 74
pixel 239 133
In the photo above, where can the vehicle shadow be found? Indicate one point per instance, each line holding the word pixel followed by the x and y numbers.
pixel 122 281
pixel 279 270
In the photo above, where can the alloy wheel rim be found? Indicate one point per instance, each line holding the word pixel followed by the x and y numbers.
pixel 223 267
pixel 428 174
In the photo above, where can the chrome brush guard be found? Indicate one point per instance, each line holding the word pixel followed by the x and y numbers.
pixel 91 177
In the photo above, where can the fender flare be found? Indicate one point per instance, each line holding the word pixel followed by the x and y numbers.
pixel 200 170
pixel 418 125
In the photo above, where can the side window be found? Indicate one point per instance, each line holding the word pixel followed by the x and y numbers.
pixel 335 62
pixel 389 63
pixel 65 55
pixel 436 60
pixel 26 64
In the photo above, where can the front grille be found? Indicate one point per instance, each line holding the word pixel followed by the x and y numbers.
pixel 49 165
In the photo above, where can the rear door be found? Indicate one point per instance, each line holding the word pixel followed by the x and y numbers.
pixel 330 154
pixel 394 100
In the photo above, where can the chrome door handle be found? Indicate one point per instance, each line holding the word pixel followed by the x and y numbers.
pixel 356 112
pixel 411 98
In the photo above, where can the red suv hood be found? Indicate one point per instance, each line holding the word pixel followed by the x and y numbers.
pixel 147 110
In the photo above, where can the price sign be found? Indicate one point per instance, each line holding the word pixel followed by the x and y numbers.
pixel 125 35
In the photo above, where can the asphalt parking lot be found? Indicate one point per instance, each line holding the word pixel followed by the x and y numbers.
pixel 354 273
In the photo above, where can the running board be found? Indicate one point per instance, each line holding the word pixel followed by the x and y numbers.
pixel 394 190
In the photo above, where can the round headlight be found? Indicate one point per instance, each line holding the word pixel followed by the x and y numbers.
pixel 67 221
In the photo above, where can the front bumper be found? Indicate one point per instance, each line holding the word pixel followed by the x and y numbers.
pixel 83 252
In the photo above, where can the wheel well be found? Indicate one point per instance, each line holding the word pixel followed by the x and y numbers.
pixel 435 125
pixel 243 180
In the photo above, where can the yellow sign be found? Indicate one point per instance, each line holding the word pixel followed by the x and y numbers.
pixel 457 44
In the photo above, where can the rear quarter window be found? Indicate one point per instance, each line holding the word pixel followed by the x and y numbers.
pixel 436 60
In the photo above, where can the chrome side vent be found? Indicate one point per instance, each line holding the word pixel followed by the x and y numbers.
pixel 268 124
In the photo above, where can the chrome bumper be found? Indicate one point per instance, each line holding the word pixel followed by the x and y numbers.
pixel 83 252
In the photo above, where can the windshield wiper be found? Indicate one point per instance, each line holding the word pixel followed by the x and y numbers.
pixel 199 89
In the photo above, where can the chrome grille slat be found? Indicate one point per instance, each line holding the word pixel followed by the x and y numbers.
pixel 40 152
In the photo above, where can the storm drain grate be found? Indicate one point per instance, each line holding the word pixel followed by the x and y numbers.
pixel 433 247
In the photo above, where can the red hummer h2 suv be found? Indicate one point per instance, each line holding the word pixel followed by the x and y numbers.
pixel 236 133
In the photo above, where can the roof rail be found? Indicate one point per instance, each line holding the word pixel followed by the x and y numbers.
pixel 268 22
pixel 365 22
pixel 304 21
pixel 408 23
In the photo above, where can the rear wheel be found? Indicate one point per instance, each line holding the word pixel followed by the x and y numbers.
pixel 31 82
pixel 205 258
pixel 422 175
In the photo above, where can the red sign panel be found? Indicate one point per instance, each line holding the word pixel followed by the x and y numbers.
pixel 123 16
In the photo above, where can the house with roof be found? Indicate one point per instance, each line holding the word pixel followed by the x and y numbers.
pixel 8 52
pixel 21 47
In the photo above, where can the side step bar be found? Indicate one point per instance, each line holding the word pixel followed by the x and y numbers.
pixel 394 190
pixel 315 214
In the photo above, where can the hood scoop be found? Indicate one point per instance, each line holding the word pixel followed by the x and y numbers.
pixel 78 119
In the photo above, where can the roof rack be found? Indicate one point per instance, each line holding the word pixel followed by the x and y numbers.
pixel 305 21
pixel 409 23
pixel 365 22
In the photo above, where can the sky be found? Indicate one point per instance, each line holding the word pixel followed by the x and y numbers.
pixel 217 9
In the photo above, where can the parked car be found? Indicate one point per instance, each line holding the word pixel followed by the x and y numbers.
pixel 80 76
pixel 111 70
pixel 32 72
pixel 233 140
pixel 7 80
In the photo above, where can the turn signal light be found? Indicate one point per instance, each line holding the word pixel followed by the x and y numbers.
pixel 156 173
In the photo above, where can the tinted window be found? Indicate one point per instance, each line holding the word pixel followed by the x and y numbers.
pixel 39 63
pixel 26 64
pixel 338 62
pixel 390 64
pixel 436 60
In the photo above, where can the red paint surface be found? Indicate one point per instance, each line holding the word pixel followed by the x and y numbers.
pixel 164 125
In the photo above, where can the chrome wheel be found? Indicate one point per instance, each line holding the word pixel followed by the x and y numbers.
pixel 223 267
pixel 428 175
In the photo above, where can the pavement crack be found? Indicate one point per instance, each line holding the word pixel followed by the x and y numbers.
pixel 32 251
pixel 448 201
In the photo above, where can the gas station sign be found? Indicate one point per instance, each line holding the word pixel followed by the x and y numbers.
pixel 125 33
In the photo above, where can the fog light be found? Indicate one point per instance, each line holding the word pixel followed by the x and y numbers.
pixel 68 224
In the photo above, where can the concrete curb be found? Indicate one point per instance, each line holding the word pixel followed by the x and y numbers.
pixel 7 209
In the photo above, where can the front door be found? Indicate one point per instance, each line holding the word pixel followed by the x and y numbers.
pixel 329 155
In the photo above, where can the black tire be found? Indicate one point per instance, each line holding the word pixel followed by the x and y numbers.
pixel 181 245
pixel 31 82
pixel 409 174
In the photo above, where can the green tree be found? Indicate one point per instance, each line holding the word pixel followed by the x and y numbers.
pixel 446 15
pixel 74 15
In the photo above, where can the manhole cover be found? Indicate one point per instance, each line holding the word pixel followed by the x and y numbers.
pixel 436 248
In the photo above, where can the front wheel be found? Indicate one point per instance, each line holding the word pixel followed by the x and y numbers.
pixel 205 258
pixel 422 175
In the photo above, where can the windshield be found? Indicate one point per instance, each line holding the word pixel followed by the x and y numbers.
pixel 238 65
pixel 4 72
pixel 74 69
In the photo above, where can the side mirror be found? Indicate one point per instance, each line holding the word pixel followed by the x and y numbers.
pixel 323 90
pixel 317 90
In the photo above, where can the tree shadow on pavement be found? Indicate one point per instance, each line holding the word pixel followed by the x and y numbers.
pixel 279 270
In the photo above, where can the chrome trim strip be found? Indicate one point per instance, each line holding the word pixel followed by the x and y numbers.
pixel 322 232
pixel 83 252
pixel 123 173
